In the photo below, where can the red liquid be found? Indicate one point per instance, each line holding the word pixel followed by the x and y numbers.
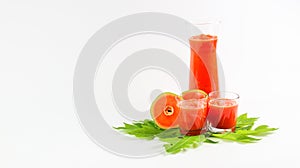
pixel 192 119
pixel 222 113
pixel 203 63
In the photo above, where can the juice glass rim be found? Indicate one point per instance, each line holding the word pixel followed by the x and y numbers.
pixel 207 26
pixel 235 95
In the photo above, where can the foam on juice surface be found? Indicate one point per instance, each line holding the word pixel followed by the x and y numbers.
pixel 203 37
pixel 223 102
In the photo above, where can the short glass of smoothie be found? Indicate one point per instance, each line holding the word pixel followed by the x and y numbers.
pixel 222 111
pixel 192 116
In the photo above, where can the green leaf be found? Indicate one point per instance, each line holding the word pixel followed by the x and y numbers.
pixel 210 141
pixel 236 137
pixel 173 140
pixel 244 123
pixel 176 142
pixel 258 131
pixel 263 128
pixel 170 133
pixel 176 145
pixel 146 129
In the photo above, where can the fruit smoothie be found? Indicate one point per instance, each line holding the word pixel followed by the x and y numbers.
pixel 203 63
pixel 192 116
pixel 222 113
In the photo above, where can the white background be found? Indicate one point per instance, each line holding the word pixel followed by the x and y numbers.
pixel 41 41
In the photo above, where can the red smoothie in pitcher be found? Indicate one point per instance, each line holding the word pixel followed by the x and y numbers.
pixel 203 63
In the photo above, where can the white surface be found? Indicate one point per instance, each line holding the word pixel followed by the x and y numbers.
pixel 40 43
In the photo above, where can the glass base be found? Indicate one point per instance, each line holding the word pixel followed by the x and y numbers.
pixel 219 130
pixel 192 132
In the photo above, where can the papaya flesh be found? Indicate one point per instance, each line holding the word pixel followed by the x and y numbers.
pixel 164 110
